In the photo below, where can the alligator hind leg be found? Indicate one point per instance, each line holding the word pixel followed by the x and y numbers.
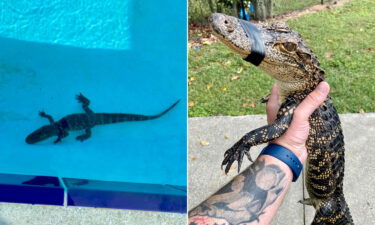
pixel 332 211
pixel 259 136
pixel 44 115
pixel 84 136
pixel 85 103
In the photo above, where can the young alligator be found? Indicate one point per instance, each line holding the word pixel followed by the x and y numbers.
pixel 86 121
pixel 282 53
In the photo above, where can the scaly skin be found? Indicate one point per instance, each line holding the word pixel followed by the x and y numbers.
pixel 297 72
pixel 83 121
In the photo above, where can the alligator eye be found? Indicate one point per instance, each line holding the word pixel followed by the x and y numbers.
pixel 305 56
pixel 228 26
pixel 289 46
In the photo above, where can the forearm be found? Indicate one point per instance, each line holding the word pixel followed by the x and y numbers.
pixel 252 197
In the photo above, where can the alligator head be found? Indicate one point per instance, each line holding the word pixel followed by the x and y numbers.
pixel 42 134
pixel 276 49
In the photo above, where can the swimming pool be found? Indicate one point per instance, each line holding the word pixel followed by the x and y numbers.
pixel 126 57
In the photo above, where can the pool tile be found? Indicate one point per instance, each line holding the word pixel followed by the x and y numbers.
pixel 31 189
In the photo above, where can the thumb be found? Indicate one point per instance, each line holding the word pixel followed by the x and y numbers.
pixel 312 102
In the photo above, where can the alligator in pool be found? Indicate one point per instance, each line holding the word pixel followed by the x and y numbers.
pixel 84 121
pixel 282 53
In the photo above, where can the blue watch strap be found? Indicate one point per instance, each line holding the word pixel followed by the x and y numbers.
pixel 286 156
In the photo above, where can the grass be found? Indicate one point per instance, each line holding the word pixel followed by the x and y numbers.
pixel 341 38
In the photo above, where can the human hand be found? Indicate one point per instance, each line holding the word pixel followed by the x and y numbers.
pixel 295 137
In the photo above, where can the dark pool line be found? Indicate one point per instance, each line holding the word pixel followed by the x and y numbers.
pixel 92 193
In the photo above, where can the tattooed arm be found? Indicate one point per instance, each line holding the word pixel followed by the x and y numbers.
pixel 254 196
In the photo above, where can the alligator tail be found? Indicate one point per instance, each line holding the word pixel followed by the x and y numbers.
pixel 333 211
pixel 107 118
pixel 164 112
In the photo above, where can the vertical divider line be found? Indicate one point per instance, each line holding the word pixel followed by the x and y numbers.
pixel 65 190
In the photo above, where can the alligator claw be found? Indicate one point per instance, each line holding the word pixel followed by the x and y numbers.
pixel 265 99
pixel 247 153
pixel 306 201
pixel 82 99
pixel 80 138
pixel 235 153
pixel 240 158
pixel 42 113
pixel 227 168
pixel 45 115
pixel 225 161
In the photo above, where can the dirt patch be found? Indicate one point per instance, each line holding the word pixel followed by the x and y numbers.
pixel 200 35
pixel 312 9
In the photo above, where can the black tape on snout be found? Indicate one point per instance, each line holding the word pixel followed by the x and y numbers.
pixel 257 44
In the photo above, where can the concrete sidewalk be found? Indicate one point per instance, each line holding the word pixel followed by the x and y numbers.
pixel 26 214
pixel 220 133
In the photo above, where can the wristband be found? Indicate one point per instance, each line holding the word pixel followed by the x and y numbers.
pixel 286 156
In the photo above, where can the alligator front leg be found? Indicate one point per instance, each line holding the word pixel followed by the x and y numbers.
pixel 84 136
pixel 259 136
pixel 62 133
pixel 85 103
pixel 49 117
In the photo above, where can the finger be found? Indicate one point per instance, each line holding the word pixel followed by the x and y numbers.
pixel 312 102
pixel 273 104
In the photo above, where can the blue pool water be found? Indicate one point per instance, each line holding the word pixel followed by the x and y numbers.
pixel 81 23
pixel 125 56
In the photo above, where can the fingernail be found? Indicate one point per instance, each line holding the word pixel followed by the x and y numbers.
pixel 323 88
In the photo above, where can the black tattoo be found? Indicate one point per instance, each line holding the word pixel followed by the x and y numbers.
pixel 245 198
